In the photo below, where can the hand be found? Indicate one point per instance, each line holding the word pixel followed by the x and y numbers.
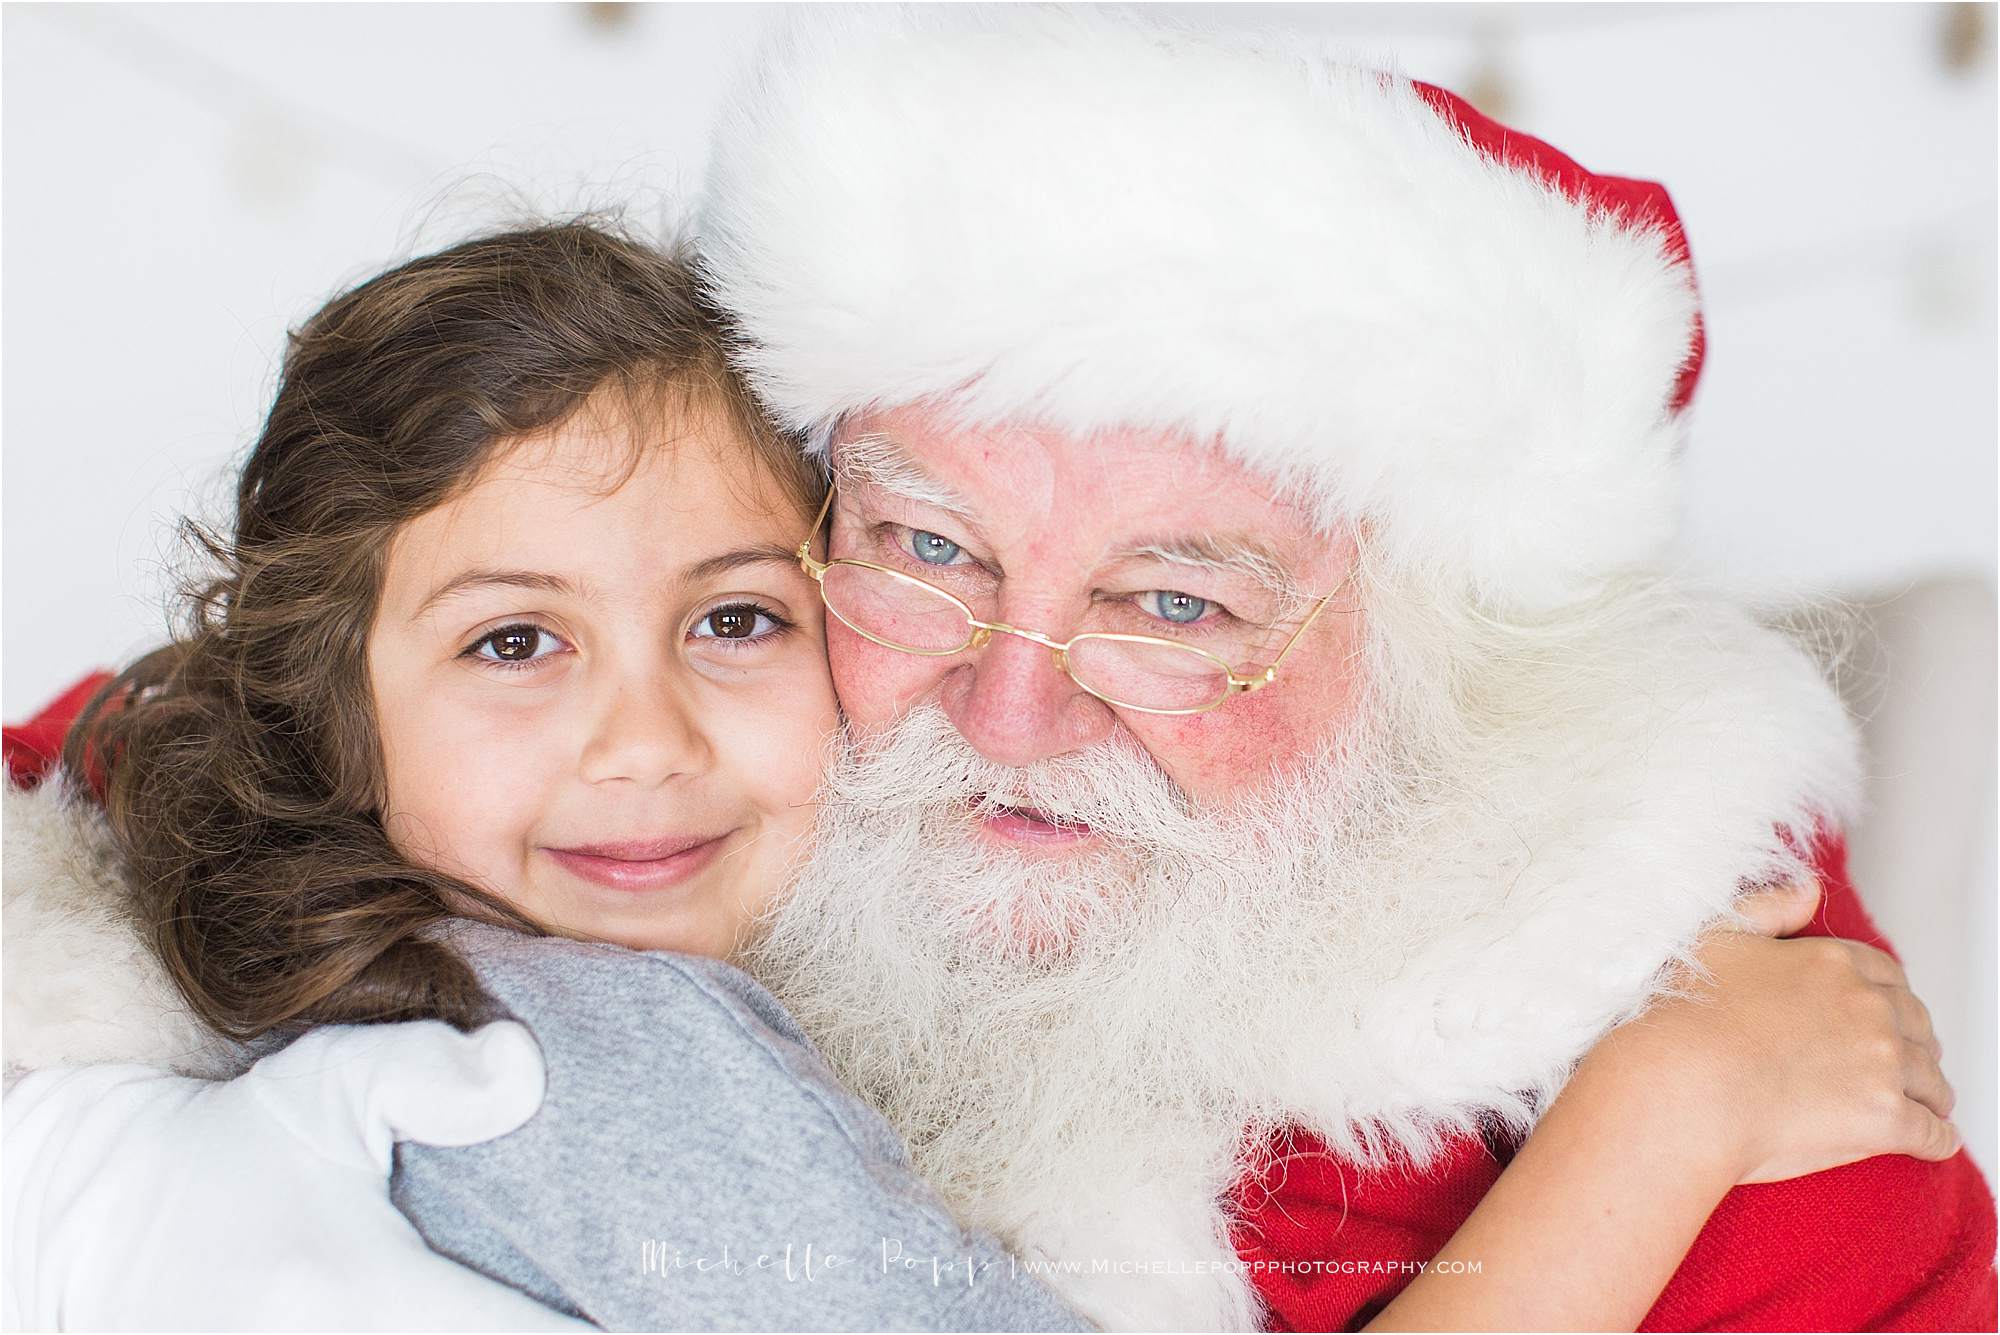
pixel 1788 1057
pixel 134 1198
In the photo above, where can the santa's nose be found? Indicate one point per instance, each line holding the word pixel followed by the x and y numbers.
pixel 1012 702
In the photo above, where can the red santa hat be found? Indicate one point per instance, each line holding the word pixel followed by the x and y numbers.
pixel 1385 302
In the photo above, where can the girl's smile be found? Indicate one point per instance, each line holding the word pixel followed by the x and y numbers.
pixel 641 866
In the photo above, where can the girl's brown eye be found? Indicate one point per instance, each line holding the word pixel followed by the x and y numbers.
pixel 516 646
pixel 740 625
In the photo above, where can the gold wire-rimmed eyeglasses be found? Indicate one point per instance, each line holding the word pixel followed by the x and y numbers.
pixel 1148 674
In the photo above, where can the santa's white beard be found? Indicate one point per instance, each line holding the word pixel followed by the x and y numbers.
pixel 1411 934
pixel 1125 1015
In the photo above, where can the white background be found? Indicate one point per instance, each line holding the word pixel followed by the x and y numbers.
pixel 181 184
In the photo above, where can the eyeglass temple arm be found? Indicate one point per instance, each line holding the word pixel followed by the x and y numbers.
pixel 816 568
pixel 1270 674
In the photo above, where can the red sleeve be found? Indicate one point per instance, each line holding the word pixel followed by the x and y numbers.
pixel 1890 1243
pixel 32 749
pixel 1328 1245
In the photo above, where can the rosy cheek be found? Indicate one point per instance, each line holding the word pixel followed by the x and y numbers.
pixel 1205 755
pixel 877 685
pixel 794 747
pixel 1229 751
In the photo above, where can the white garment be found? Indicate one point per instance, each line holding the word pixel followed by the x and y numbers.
pixel 135 1198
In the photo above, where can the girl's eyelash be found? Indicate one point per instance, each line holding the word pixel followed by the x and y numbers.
pixel 471 651
pixel 782 624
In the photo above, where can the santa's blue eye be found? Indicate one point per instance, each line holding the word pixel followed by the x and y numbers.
pixel 932 548
pixel 1171 605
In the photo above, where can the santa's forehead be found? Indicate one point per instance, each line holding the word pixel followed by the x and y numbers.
pixel 1154 485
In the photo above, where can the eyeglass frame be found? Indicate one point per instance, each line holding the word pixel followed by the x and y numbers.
pixel 982 632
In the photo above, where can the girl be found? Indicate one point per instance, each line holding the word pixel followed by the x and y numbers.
pixel 509 685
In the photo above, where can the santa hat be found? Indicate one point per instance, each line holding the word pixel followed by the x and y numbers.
pixel 1391 306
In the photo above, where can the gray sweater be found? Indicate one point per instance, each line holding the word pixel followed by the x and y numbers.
pixel 695 1166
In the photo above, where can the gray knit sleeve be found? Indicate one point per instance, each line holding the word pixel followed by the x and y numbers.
pixel 695 1166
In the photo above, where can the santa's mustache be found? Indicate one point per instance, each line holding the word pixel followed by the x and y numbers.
pixel 922 762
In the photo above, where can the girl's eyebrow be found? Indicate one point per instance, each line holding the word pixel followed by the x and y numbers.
pixel 483 578
pixel 736 560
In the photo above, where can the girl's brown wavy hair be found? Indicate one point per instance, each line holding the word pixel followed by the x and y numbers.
pixel 241 762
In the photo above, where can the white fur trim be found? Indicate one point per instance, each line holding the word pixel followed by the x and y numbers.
pixel 80 984
pixel 1076 218
pixel 1606 839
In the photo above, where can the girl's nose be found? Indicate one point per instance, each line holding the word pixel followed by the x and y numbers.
pixel 645 732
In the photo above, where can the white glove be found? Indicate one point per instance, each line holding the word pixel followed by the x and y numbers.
pixel 135 1198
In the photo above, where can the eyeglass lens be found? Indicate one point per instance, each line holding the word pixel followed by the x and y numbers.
pixel 912 616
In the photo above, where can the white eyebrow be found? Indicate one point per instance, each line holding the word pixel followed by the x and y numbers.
pixel 877 461
pixel 1230 557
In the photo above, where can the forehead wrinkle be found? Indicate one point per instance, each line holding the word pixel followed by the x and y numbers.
pixel 875 460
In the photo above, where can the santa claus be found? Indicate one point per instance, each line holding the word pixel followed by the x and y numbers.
pixel 1217 977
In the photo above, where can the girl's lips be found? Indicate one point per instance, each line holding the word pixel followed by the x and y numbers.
pixel 640 865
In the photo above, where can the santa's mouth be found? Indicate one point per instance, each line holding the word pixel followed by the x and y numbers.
pixel 1029 825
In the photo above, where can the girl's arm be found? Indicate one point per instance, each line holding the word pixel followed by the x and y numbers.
pixel 1795 1057
pixel 135 1199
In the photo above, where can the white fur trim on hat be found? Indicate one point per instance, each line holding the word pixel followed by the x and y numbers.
pixel 1090 220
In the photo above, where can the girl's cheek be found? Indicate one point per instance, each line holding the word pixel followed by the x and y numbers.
pixel 778 742
pixel 466 771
